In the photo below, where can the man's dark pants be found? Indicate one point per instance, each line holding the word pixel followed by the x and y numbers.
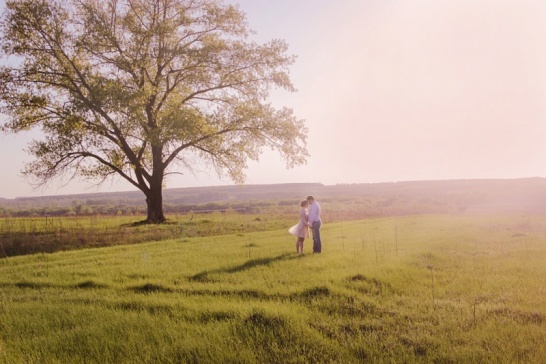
pixel 317 243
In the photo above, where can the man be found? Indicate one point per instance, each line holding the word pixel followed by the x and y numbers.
pixel 315 223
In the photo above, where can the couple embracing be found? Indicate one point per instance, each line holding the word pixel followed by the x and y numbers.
pixel 309 218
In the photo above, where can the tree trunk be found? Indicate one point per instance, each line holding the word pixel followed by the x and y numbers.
pixel 154 195
pixel 154 200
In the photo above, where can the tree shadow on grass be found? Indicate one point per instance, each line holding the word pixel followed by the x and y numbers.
pixel 253 263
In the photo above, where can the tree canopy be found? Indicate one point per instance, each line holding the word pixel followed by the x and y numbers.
pixel 143 88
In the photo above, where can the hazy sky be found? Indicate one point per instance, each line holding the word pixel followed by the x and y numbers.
pixel 391 91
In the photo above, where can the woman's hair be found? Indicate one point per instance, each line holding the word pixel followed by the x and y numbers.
pixel 303 203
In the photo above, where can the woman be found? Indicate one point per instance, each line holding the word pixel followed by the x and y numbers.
pixel 301 229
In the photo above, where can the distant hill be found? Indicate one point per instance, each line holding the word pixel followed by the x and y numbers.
pixel 189 195
pixel 526 195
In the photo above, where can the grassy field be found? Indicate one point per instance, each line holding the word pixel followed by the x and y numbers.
pixel 442 289
pixel 21 236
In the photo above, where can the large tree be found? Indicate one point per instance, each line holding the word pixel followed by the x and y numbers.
pixel 142 88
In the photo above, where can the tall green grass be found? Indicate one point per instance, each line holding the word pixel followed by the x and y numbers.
pixel 445 289
pixel 21 236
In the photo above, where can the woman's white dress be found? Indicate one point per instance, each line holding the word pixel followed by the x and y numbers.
pixel 301 229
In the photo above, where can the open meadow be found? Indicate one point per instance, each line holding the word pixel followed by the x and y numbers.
pixel 436 288
pixel 22 236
